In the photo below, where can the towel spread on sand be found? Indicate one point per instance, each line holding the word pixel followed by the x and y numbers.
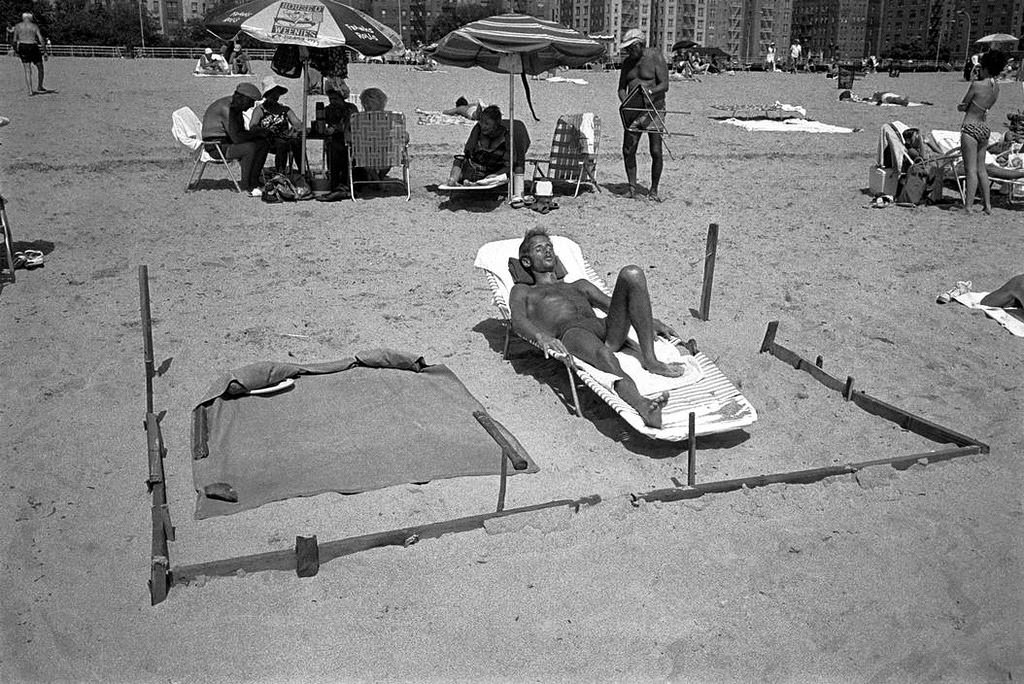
pixel 562 79
pixel 375 420
pixel 1011 319
pixel 430 118
pixel 788 125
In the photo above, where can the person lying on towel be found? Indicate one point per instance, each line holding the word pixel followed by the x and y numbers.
pixel 560 317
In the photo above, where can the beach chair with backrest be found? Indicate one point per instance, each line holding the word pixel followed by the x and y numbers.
pixel 574 149
pixel 187 130
pixel 717 404
pixel 378 140
pixel 947 145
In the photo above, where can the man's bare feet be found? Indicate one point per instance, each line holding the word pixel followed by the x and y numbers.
pixel 632 193
pixel 648 408
pixel 670 370
pixel 654 196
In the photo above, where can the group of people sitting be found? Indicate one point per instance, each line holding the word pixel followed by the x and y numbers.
pixel 231 60
pixel 252 122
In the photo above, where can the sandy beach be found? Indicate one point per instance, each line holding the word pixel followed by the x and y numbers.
pixel 891 576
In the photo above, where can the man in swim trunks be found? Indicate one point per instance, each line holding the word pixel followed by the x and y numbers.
pixel 645 68
pixel 29 44
pixel 560 317
pixel 974 132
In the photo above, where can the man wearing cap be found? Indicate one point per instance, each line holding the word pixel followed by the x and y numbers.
pixel 644 68
pixel 224 124
pixel 210 63
pixel 29 45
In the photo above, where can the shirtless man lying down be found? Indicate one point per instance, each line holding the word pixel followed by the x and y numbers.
pixel 560 317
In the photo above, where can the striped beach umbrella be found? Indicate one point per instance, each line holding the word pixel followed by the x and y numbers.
pixel 515 44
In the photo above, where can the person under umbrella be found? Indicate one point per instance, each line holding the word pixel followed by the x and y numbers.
pixel 281 123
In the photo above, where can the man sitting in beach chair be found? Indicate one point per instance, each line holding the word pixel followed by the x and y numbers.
pixel 559 317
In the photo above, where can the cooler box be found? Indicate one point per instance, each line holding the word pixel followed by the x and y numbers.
pixel 882 181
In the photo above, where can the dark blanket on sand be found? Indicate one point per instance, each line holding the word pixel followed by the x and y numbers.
pixel 378 419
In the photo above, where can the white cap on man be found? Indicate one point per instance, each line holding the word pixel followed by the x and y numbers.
pixel 27 16
pixel 632 37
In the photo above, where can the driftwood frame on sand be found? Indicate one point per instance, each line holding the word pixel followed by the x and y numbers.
pixel 307 556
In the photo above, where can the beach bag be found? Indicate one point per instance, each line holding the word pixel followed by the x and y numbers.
pixel 285 188
pixel 286 61
pixel 913 188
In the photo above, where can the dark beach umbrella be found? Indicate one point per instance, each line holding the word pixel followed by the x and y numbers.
pixel 307 23
pixel 684 45
pixel 515 44
pixel 712 52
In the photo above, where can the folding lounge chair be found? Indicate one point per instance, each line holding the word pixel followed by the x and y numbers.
pixel 718 405
pixel 378 140
pixel 574 149
pixel 947 143
pixel 187 130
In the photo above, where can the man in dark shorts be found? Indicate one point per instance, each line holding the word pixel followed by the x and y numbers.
pixel 224 124
pixel 560 317
pixel 29 44
pixel 645 68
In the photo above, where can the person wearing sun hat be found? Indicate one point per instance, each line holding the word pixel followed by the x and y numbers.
pixel 642 67
pixel 224 124
pixel 210 63
pixel 283 126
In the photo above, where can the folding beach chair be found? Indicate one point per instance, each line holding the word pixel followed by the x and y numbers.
pixel 187 130
pixel 638 113
pixel 378 140
pixel 947 144
pixel 718 405
pixel 574 149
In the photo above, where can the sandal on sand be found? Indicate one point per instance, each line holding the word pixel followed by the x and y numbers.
pixel 30 258
pixel 516 203
pixel 961 287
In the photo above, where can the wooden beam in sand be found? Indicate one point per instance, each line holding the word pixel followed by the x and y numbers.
pixel 163 530
pixel 710 252
pixel 905 419
pixel 680 493
pixel 405 536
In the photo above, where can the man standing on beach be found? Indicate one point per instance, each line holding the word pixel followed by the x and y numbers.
pixel 795 51
pixel 29 44
pixel 643 68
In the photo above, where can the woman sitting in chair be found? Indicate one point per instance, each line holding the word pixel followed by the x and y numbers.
pixel 281 122
pixel 486 152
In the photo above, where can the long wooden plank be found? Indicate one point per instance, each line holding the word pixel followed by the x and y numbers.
pixel 801 476
pixel 147 334
pixel 914 423
pixel 905 419
pixel 285 560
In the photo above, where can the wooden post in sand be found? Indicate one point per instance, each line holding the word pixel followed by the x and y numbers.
pixel 710 252
pixel 691 460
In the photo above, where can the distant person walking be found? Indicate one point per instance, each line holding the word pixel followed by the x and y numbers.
pixel 30 47
pixel 769 58
pixel 795 50
pixel 644 68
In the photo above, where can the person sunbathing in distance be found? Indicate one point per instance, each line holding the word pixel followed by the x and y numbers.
pixel 1010 294
pixel 560 317
pixel 464 109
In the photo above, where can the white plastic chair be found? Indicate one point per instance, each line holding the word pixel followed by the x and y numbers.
pixel 187 130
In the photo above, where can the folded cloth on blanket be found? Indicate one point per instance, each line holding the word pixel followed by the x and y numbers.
pixel 1011 319
pixel 649 384
pixel 787 126
pixel 370 421
pixel 429 118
